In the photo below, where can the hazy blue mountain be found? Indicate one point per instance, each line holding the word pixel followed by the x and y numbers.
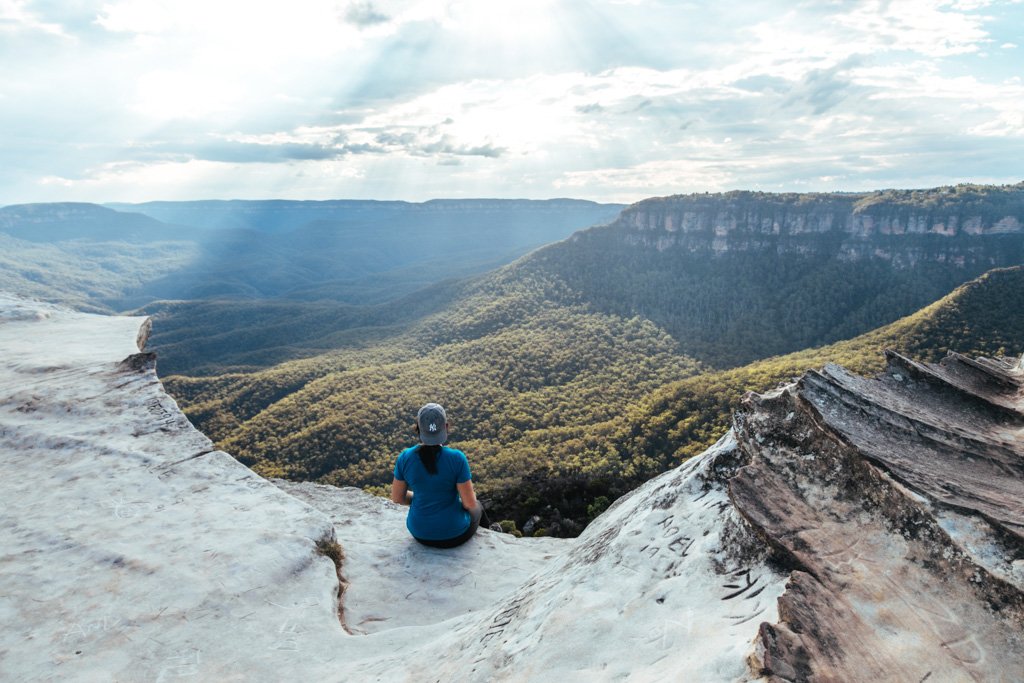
pixel 77 221
pixel 348 251
pixel 86 274
pixel 511 221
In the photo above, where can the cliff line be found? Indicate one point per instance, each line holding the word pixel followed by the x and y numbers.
pixel 851 224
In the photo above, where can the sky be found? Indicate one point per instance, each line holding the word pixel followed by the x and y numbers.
pixel 608 100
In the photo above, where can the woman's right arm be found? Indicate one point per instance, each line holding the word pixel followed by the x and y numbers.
pixel 400 492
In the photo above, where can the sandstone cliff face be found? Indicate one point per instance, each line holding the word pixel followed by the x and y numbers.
pixel 852 226
pixel 846 529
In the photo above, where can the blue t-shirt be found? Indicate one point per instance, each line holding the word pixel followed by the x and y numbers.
pixel 436 513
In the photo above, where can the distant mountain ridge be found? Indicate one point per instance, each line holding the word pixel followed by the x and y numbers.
pixel 356 252
pixel 282 215
pixel 55 222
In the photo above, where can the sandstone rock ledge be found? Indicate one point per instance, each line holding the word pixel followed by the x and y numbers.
pixel 130 548
pixel 847 529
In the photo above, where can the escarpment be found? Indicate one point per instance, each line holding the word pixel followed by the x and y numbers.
pixel 743 276
pixel 846 529
pixel 958 225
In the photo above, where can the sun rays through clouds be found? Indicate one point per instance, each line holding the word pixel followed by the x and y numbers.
pixel 413 99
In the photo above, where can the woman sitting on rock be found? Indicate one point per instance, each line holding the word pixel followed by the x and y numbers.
pixel 444 512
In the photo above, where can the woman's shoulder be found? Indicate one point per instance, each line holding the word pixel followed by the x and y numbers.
pixel 456 457
pixel 407 452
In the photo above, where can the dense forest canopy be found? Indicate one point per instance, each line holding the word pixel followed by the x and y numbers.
pixel 964 198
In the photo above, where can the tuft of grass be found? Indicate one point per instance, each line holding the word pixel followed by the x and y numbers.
pixel 329 547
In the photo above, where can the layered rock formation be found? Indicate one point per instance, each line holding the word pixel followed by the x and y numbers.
pixel 944 224
pixel 847 529
pixel 897 504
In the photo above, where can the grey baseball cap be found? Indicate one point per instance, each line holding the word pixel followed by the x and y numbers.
pixel 432 421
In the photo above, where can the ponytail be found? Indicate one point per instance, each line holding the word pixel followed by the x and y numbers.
pixel 428 456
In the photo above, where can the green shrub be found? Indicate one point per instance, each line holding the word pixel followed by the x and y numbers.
pixel 508 526
pixel 599 505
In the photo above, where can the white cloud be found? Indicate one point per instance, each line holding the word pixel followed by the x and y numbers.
pixel 968 5
pixel 649 178
pixel 169 94
pixel 1007 123
pixel 932 28
pixel 921 26
pixel 420 98
pixel 192 179
pixel 364 13
pixel 137 16
pixel 16 16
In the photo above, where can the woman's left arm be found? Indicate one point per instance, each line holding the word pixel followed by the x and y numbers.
pixel 467 495
pixel 400 492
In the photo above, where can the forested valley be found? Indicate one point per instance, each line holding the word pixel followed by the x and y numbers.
pixel 588 366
